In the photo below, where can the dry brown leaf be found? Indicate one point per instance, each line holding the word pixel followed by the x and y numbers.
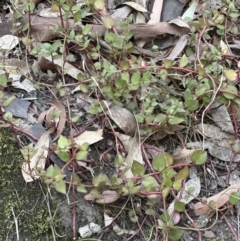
pixel 136 6
pixel 39 159
pixel 123 118
pixel 183 156
pixel 62 118
pixel 220 199
pixel 133 147
pixel 209 234
pixel 89 137
pixel 178 48
pixel 156 12
pixel 107 196
pixel 42 29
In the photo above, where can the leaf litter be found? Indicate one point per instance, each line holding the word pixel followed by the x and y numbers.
pixel 151 25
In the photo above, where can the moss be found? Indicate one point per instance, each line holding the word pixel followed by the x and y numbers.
pixel 26 200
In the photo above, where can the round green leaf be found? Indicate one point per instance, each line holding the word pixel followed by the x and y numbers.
pixel 234 198
pixel 60 187
pixel 175 235
pixel 199 157
pixel 182 174
pixel 173 120
pixel 63 142
pixel 81 155
pixel 64 155
pixel 137 169
pixel 179 206
pixel 159 162
pixel 192 105
pixel 183 61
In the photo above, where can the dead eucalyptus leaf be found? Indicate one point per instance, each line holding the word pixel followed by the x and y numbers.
pixel 183 156
pixel 217 200
pixel 39 159
pixel 8 42
pixel 123 118
pixel 62 118
pixel 136 6
pixel 179 47
pixel 192 184
pixel 156 12
pixel 89 137
pixel 222 117
pixel 108 196
pixel 133 147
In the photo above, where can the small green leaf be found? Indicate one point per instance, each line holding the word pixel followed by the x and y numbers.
pixel 64 155
pixel 230 88
pixel 137 169
pixel 132 215
pixel 81 188
pixel 60 187
pixel 99 5
pixel 175 235
pixel 134 190
pixel 173 120
pixel 149 180
pixel 168 63
pixel 8 101
pixel 160 118
pixel 118 161
pixel 50 171
pixel 86 29
pixel 95 193
pixel 81 155
pixel 108 22
pixel 230 74
pixel 59 177
pixel 3 80
pixel 199 157
pixel 179 206
pixel 234 198
pixel 159 162
pixel 163 74
pixel 183 61
pixel 136 77
pixel 63 142
pixel 177 185
pixel 192 105
pixel 165 191
pixel 100 180
pixel 182 174
pixel 165 217
pixel 125 65
pixel 150 211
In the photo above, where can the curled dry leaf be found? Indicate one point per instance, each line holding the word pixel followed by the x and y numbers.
pixel 123 118
pixel 42 29
pixel 133 147
pixel 107 196
pixel 194 185
pixel 71 70
pixel 8 42
pixel 136 6
pixel 222 118
pixel 39 159
pixel 62 118
pixel 219 200
pixel 89 137
pixel 183 156
pixel 156 12
pixel 108 219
